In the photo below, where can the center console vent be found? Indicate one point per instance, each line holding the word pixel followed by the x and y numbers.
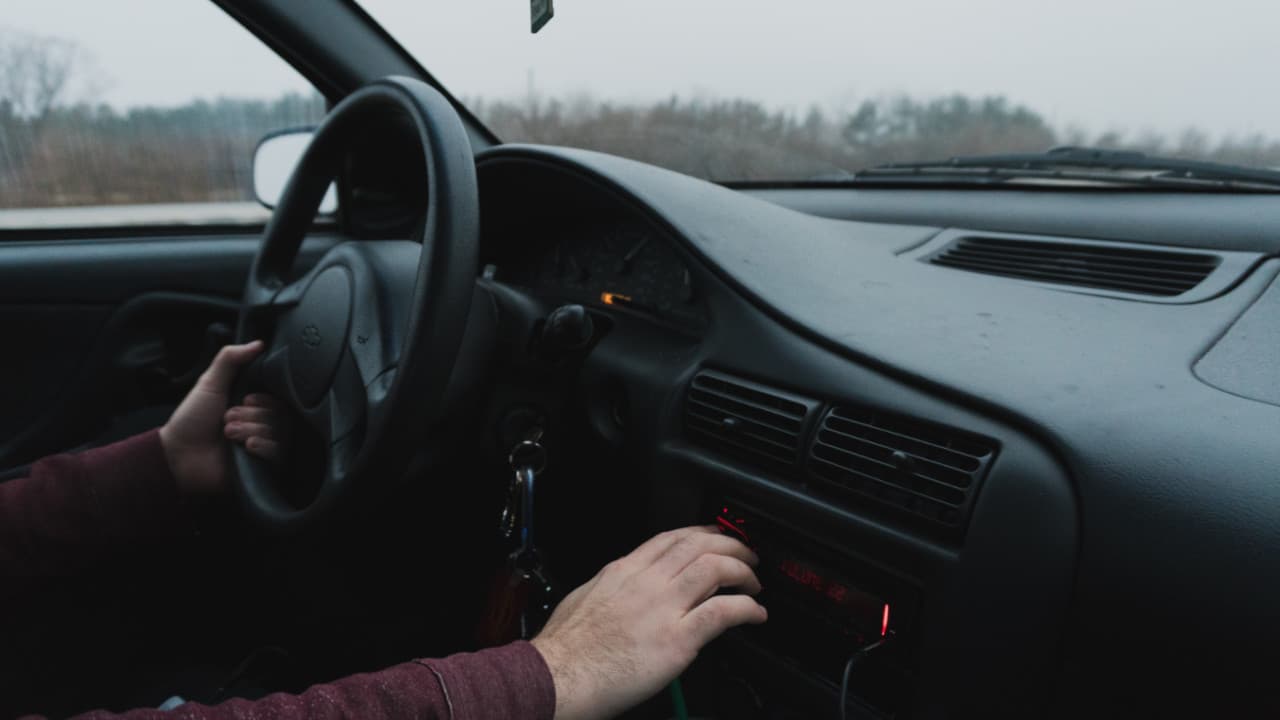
pixel 928 470
pixel 755 423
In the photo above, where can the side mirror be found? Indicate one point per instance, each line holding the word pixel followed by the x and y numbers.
pixel 275 158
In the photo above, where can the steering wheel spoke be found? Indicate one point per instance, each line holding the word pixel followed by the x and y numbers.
pixel 271 372
pixel 262 312
pixel 341 457
pixel 272 295
pixel 346 402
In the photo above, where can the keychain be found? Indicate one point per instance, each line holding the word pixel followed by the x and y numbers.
pixel 521 596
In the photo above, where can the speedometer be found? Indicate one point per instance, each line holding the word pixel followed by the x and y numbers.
pixel 644 269
pixel 620 264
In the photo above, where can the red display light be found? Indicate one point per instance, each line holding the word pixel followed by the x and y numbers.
pixel 731 528
pixel 811 578
pixel 864 611
pixel 836 592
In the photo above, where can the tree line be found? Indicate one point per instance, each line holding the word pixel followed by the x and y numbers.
pixel 96 155
pixel 56 151
pixel 735 139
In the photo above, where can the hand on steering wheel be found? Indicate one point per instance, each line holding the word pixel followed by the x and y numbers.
pixel 192 437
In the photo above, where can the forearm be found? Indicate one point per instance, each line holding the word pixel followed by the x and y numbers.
pixel 75 510
pixel 506 683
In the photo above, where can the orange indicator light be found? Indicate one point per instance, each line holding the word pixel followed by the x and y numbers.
pixel 609 298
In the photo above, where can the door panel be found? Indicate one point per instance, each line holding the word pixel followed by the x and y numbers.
pixel 102 338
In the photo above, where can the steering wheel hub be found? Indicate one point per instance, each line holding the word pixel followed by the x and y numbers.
pixel 317 331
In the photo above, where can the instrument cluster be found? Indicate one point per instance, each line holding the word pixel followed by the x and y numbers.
pixel 618 264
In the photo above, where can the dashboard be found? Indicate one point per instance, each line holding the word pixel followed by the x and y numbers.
pixel 1012 480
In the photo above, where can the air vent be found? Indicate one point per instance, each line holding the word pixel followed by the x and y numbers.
pixel 747 420
pixel 925 469
pixel 1120 269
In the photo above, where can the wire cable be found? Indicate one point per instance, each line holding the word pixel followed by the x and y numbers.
pixel 854 659
pixel 677 700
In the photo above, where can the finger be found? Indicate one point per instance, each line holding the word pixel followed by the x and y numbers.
pixel 692 547
pixel 709 573
pixel 656 546
pixel 241 413
pixel 263 448
pixel 262 400
pixel 706 621
pixel 244 430
pixel 229 360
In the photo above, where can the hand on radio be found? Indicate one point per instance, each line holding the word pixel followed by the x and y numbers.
pixel 641 621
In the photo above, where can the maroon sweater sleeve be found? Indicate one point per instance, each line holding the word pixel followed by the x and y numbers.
pixel 75 510
pixel 511 682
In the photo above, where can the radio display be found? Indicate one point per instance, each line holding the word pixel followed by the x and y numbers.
pixel 815 585
pixel 867 612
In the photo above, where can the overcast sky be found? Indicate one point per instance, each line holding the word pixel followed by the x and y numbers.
pixel 1128 65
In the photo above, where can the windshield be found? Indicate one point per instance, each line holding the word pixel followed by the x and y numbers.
pixel 805 89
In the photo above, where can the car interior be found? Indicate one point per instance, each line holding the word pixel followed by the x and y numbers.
pixel 1022 441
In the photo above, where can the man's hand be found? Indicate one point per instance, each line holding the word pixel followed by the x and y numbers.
pixel 258 425
pixel 193 438
pixel 640 622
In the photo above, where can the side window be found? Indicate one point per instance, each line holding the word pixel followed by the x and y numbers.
pixel 136 112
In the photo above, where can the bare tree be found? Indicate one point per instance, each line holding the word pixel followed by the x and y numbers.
pixel 36 75
pixel 35 72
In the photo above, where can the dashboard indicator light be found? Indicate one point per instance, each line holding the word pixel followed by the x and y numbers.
pixel 609 298
pixel 884 621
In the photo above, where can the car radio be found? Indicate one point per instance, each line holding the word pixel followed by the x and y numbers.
pixel 825 606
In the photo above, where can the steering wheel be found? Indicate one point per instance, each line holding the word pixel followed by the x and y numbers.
pixel 363 345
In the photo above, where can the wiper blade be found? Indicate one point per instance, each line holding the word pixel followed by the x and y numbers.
pixel 1085 165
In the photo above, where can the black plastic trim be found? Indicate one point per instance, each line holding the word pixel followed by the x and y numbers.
pixel 303 34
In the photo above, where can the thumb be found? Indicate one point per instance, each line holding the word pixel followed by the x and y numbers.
pixel 226 364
